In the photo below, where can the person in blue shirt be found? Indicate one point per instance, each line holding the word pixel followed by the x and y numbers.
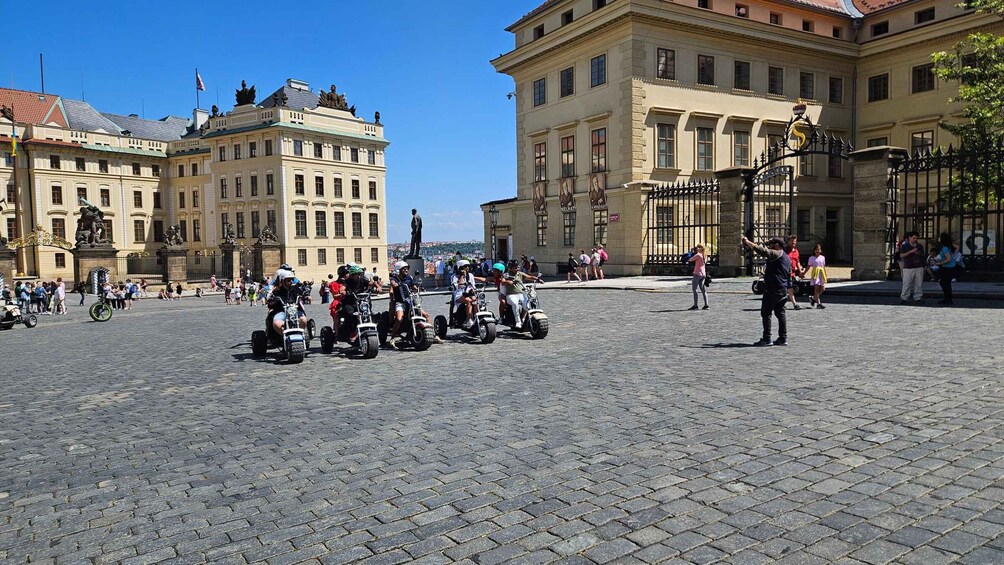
pixel 946 260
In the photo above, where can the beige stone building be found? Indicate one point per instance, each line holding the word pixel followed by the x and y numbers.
pixel 631 94
pixel 312 173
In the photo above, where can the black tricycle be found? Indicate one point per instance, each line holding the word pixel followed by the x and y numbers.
pixel 356 307
pixel 533 320
pixel 294 341
pixel 416 331
pixel 483 325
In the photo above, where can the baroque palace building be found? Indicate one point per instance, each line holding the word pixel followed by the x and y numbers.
pixel 302 164
pixel 631 94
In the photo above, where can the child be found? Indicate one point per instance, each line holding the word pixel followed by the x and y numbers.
pixel 252 289
pixel 933 263
pixel 817 275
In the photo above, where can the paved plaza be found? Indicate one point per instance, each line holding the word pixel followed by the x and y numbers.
pixel 637 432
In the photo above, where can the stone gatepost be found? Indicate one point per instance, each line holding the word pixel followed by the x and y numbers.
pixel 230 254
pixel 174 261
pixel 267 258
pixel 89 258
pixel 874 190
pixel 8 266
pixel 731 257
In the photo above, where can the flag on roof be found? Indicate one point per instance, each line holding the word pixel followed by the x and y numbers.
pixel 198 82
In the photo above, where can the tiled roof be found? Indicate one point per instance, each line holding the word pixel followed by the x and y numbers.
pixel 295 98
pixel 828 5
pixel 547 4
pixel 871 6
pixel 168 128
pixel 33 107
pixel 83 117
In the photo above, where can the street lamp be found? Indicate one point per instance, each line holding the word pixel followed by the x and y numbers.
pixel 493 217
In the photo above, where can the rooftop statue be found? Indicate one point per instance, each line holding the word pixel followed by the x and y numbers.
pixel 245 95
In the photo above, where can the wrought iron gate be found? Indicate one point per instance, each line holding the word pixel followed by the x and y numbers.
pixel 769 209
pixel 681 216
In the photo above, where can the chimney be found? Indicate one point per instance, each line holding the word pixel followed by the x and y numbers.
pixel 297 84
pixel 199 117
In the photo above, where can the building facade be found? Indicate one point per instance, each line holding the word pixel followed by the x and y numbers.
pixel 625 95
pixel 311 171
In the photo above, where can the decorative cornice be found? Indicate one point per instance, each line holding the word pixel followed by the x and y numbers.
pixel 921 120
pixel 876 127
pixel 666 111
pixel 598 117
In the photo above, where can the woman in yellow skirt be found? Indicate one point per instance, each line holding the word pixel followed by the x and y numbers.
pixel 816 270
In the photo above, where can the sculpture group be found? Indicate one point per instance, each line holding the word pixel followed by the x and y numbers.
pixel 90 225
pixel 335 101
pixel 172 237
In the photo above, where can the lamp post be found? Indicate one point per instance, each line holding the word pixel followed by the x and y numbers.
pixel 493 218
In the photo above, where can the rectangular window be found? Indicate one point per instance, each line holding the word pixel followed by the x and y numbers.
pixel 239 187
pixel 255 223
pixel 336 153
pixel 742 11
pixel 340 256
pixel 568 229
pixel 357 224
pixel 807 86
pixel 705 69
pixel 224 221
pixel 877 142
pixel 741 148
pixel 269 185
pixel 374 225
pixel 11 228
pixel 158 231
pixel 775 80
pixel 54 161
pixel 923 16
pixel 664 225
pixel 371 157
pixel 539 161
pixel 705 149
pixel 318 186
pixel 270 220
pixel 808 25
pixel 137 199
pixel 195 198
pixel 921 141
pixel 136 169
pixel 60 260
pixel 598 70
pixel 599 227
pixel 538 32
pixel 156 199
pixel 57 195
pixel 298 148
pixel 567 82
pixel 354 154
pixel 318 151
pixel 298 186
pixel 322 256
pixel 806 166
pixel 666 64
pixel 301 257
pixel 803 220
pixel 742 76
pixel 373 190
pixel 300 217
pixel 254 185
pixel 223 154
pixel 195 169
pixel 138 231
pixel 340 225
pixel 268 147
pixel 836 90
pixel 321 223
pixel 542 230
pixel 375 255
pixel 838 32
pixel 878 88
pixel 355 189
pixel 775 18
pixel 923 78
pixel 835 167
pixel 252 149
pixel 568 156
pixel 196 230
pixel 102 166
pixel 59 228
pixel 109 231
pixel 666 146
pixel 880 28
pixel 706 4
pixel 181 200
pixel 8 159
pixel 81 164
pixel 106 197
pixel 183 224
pixel 240 225
pixel 155 170
pixel 357 254
pixel 237 152
pixel 540 92
pixel 567 18
pixel 81 194
pixel 599 153
pixel 223 189
pixel 338 187
pixel 181 170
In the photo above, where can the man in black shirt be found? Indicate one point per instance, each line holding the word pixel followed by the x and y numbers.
pixel 776 293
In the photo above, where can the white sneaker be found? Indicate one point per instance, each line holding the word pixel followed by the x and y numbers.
pixel 468 324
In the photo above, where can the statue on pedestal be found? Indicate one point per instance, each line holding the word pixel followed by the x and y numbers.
pixel 172 237
pixel 416 235
pixel 245 95
pixel 267 236
pixel 229 236
pixel 90 225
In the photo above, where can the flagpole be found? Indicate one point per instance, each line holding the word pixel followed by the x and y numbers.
pixel 196 87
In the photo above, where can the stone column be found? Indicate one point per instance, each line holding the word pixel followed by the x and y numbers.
pixel 175 264
pixel 731 258
pixel 87 258
pixel 230 262
pixel 267 258
pixel 874 189
pixel 8 266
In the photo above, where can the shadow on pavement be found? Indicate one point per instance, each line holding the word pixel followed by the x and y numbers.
pixel 720 345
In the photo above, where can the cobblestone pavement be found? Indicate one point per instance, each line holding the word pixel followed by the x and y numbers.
pixel 637 432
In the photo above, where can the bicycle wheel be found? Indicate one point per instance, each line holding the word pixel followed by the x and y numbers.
pixel 100 312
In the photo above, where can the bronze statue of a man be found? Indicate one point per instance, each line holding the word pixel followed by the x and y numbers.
pixel 416 234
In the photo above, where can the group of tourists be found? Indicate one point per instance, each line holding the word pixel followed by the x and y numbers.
pixel 942 263
pixel 37 297
pixel 587 263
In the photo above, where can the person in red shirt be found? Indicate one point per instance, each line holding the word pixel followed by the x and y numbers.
pixel 337 289
pixel 796 268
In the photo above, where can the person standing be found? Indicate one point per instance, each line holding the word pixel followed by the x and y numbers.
pixel 212 283
pixel 796 268
pixel 947 264
pixel 817 275
pixel 594 263
pixel 603 258
pixel 440 270
pixel 82 289
pixel 776 275
pixel 60 294
pixel 699 259
pixel 584 264
pixel 912 261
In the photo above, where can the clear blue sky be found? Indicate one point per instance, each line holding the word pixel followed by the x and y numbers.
pixel 423 65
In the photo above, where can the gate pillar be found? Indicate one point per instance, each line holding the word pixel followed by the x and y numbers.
pixel 8 265
pixel 90 258
pixel 732 187
pixel 875 189
pixel 231 264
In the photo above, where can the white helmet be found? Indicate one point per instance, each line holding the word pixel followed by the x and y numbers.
pixel 400 265
pixel 283 274
pixel 463 263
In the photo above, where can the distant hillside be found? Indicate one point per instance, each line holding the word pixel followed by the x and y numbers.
pixel 435 249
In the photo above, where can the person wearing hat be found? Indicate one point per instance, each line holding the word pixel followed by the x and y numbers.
pixel 775 293
pixel 463 289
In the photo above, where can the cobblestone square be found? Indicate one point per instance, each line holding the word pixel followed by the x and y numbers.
pixel 636 432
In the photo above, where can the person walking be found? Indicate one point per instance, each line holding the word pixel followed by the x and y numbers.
pixel 594 264
pixel 912 261
pixel 603 258
pixel 573 268
pixel 817 275
pixel 796 268
pixel 947 264
pixel 584 265
pixel 776 275
pixel 212 283
pixel 699 259
pixel 82 289
pixel 60 294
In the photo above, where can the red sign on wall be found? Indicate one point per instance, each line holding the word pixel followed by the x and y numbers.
pixel 615 217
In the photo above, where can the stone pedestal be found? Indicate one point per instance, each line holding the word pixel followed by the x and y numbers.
pixel 873 192
pixel 731 257
pixel 230 271
pixel 8 266
pixel 417 265
pixel 95 265
pixel 175 264
pixel 267 258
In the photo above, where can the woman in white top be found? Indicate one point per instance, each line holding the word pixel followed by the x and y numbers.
pixel 584 260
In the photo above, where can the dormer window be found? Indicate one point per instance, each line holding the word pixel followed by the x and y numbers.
pixel 538 32
pixel 880 28
pixel 742 11
pixel 706 4
pixel 923 16
pixel 808 25
pixel 567 18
